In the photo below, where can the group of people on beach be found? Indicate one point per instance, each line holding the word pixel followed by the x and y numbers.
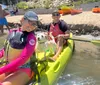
pixel 22 41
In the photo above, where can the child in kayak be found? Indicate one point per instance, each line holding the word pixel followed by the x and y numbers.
pixel 18 49
pixel 59 30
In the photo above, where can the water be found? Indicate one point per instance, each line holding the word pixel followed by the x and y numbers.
pixel 84 66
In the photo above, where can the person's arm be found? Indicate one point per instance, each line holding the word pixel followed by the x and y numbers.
pixel 64 27
pixel 67 32
pixel 67 35
pixel 5 13
pixel 24 56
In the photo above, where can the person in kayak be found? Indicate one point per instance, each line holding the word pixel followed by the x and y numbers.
pixel 18 49
pixel 59 30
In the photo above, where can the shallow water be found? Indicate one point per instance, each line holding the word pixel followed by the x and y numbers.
pixel 84 66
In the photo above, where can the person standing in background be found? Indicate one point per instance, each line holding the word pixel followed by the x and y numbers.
pixel 3 20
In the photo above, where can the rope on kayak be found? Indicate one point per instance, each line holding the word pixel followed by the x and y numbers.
pixel 34 66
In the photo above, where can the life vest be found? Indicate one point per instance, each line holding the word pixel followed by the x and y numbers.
pixel 55 31
pixel 14 44
pixel 18 43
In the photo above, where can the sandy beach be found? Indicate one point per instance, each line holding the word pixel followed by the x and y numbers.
pixel 85 62
pixel 86 17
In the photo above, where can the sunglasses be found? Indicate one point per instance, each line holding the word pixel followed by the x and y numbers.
pixel 34 23
pixel 55 14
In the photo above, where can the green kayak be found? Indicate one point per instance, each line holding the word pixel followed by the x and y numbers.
pixel 49 72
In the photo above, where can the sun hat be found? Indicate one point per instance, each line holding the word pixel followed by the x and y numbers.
pixel 30 15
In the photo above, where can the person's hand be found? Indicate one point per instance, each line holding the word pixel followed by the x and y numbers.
pixel 61 36
pixel 51 36
pixel 46 33
pixel 54 58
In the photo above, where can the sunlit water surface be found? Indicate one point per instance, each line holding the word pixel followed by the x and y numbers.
pixel 84 66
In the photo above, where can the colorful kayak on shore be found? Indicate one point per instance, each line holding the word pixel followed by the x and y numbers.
pixel 70 11
pixel 96 10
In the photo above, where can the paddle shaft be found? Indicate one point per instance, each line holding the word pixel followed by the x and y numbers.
pixel 74 39
pixel 80 40
pixel 96 42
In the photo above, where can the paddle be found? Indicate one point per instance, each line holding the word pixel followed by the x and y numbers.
pixel 96 42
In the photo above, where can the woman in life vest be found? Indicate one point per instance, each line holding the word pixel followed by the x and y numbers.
pixel 19 47
pixel 59 30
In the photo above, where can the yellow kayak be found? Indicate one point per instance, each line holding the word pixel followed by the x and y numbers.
pixel 49 72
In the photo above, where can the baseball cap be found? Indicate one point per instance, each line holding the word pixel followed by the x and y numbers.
pixel 56 14
pixel 30 15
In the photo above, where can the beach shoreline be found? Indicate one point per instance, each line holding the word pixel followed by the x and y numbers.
pixel 86 17
pixel 83 23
